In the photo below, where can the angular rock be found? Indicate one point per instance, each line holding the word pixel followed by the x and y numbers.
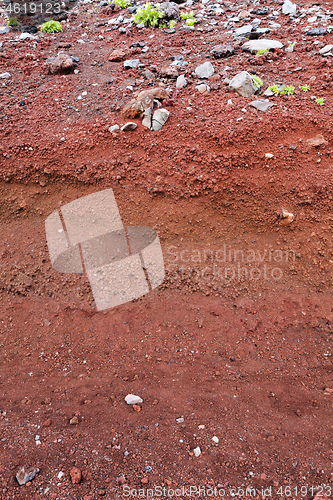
pixel 132 109
pixel 129 126
pixel 76 475
pixel 114 128
pixel 223 50
pixel 118 55
pixel 326 49
pixel 318 140
pixel 160 117
pixel 159 93
pixel 170 10
pixel 317 31
pixel 25 36
pixel 25 475
pixel 4 29
pixel 244 31
pixel 169 72
pixel 186 27
pixel 170 31
pixel 63 64
pixel 74 420
pixel 3 76
pixel 261 44
pixel 149 75
pixel 131 63
pixel 197 451
pixel 262 104
pixel 181 82
pixel 289 8
pixel 205 70
pixel 203 88
pixel 146 122
pixel 131 399
pixel 243 84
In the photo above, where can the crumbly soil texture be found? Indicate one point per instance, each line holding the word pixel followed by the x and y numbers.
pixel 232 354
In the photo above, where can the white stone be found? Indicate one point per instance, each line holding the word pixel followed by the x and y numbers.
pixel 113 128
pixel 289 8
pixel 261 44
pixel 160 117
pixel 181 82
pixel 243 84
pixel 215 439
pixel 131 399
pixel 24 36
pixel 244 30
pixel 325 49
pixel 203 88
pixel 4 75
pixel 197 451
pixel 269 155
pixel 4 29
pixel 205 70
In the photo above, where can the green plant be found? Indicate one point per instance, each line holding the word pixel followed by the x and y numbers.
pixel 258 80
pixel 190 22
pixel 148 15
pixel 304 88
pixel 172 23
pixel 51 27
pixel 288 90
pixel 320 101
pixel 12 21
pixel 274 88
pixel 262 51
pixel 187 15
pixel 123 4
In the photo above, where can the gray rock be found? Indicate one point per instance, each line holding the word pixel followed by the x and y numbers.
pixel 289 8
pixel 205 70
pixel 262 31
pixel 262 104
pixel 4 29
pixel 122 30
pixel 317 31
pixel 113 128
pixel 185 27
pixel 128 126
pixel 243 84
pixel 160 117
pixel 25 36
pixel 255 45
pixel 131 63
pixel 261 12
pixel 103 3
pixel 132 9
pixel 140 25
pixel 4 75
pixel 224 50
pixel 25 475
pixel 244 31
pixel 149 75
pixel 170 31
pixel 170 10
pixel 181 82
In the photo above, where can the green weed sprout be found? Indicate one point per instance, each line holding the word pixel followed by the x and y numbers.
pixel 12 21
pixel 51 27
pixel 172 23
pixel 122 3
pixel 187 15
pixel 304 88
pixel 148 15
pixel 274 88
pixel 190 22
pixel 320 101
pixel 258 80
pixel 262 51
pixel 288 90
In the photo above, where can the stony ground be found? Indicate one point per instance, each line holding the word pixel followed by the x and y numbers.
pixel 239 366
